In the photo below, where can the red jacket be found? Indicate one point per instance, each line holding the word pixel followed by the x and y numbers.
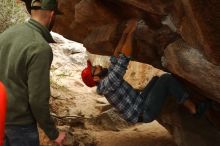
pixel 2 112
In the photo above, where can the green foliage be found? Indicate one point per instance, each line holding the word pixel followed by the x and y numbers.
pixel 11 12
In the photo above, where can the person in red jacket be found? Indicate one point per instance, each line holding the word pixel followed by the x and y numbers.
pixel 2 112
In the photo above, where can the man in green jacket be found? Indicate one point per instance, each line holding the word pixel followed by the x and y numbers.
pixel 25 60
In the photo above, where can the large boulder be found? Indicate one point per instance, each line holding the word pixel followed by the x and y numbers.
pixel 196 21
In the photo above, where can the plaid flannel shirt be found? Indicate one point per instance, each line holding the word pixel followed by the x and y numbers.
pixel 120 93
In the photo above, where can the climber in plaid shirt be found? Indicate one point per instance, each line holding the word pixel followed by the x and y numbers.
pixel 118 92
pixel 132 105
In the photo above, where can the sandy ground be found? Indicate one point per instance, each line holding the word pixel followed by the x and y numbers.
pixel 74 106
pixel 143 135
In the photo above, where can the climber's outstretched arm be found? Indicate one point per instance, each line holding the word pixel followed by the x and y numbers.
pixel 125 43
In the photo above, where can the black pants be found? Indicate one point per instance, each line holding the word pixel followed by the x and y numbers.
pixel 156 94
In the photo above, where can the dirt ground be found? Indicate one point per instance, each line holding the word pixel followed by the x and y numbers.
pixel 78 110
pixel 143 135
pixel 147 135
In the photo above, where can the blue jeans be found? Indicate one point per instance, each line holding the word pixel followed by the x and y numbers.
pixel 21 135
pixel 156 93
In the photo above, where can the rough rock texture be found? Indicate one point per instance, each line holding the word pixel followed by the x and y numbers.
pixel 193 53
pixel 196 21
pixel 185 61
pixel 99 24
pixel 186 129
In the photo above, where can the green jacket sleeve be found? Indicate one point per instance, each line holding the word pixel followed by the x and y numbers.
pixel 38 64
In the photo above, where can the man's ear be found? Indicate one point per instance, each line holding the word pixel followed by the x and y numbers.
pixel 96 78
pixel 52 13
